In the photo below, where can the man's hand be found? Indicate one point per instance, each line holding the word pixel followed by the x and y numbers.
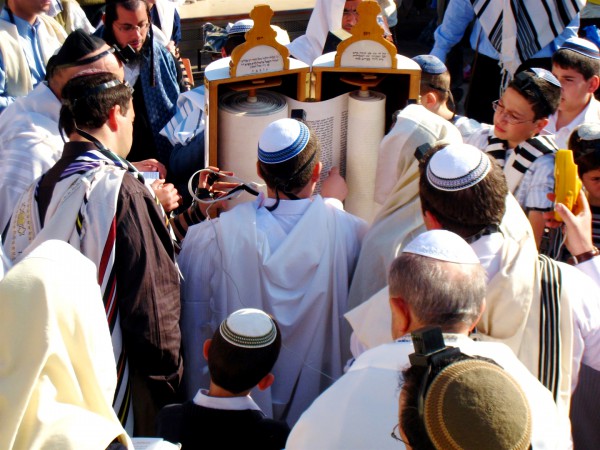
pixel 167 195
pixel 334 186
pixel 215 187
pixel 578 224
pixel 151 165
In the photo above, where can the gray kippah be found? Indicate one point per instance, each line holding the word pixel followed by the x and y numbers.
pixel 457 167
pixel 475 404
pixel 248 328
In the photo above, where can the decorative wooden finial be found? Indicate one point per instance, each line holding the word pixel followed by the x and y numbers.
pixel 366 47
pixel 261 53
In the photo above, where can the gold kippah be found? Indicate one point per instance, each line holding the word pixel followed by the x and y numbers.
pixel 475 404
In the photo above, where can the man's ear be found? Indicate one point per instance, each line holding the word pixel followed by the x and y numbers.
pixel 541 124
pixel 113 113
pixel 401 317
pixel 431 222
pixel 316 172
pixel 594 83
pixel 266 381
pixel 205 348
pixel 429 101
pixel 474 324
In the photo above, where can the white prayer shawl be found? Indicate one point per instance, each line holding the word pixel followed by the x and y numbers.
pixel 89 230
pixel 74 17
pixel 303 284
pixel 326 16
pixel 51 35
pixel 591 113
pixel 58 374
pixel 397 188
pixel 512 313
pixel 514 162
pixel 360 410
pixel 166 14
pixel 29 145
pixel 518 29
pixel 189 119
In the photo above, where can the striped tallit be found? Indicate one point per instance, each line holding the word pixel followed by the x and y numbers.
pixel 521 159
pixel 94 178
pixel 518 29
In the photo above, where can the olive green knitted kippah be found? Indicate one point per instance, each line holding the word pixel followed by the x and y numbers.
pixel 474 405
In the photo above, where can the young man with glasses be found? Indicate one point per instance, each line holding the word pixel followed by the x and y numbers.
pixel 517 141
pixel 151 70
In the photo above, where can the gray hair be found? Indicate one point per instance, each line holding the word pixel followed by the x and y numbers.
pixel 439 293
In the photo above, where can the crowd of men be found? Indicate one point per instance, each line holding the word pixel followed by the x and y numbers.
pixel 286 322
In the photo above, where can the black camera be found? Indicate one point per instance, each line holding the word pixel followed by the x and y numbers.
pixel 429 347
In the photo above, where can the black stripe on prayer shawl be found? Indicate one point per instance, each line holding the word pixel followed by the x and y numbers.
pixel 550 351
pixel 110 300
pixel 550 20
pixel 520 167
pixel 527 42
pixel 120 368
pixel 496 35
pixel 482 9
pixel 563 12
pixel 497 154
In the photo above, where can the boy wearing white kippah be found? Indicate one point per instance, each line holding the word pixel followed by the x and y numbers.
pixel 240 357
pixel 290 254
pixel 576 64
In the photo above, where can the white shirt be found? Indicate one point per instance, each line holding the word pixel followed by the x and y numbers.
pixel 360 410
pixel 591 113
pixel 294 263
pixel 224 403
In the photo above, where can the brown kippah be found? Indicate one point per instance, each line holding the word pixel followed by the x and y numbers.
pixel 474 404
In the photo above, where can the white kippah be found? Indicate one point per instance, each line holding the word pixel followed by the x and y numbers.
pixel 457 167
pixel 248 328
pixel 241 26
pixel 282 140
pixel 443 245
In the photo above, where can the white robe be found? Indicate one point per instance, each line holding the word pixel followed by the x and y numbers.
pixel 326 16
pixel 58 373
pixel 295 264
pixel 511 297
pixel 397 189
pixel 360 410
pixel 29 145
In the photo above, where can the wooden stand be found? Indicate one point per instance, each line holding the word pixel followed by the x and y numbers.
pixel 360 60
pixel 261 62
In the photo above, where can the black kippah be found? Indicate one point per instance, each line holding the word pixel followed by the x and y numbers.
pixel 76 46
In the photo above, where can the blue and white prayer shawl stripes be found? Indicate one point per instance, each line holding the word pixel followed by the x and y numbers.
pixel 581 46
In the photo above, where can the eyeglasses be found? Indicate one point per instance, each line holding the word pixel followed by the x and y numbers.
pixel 396 434
pixel 509 117
pixel 350 12
pixel 128 28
